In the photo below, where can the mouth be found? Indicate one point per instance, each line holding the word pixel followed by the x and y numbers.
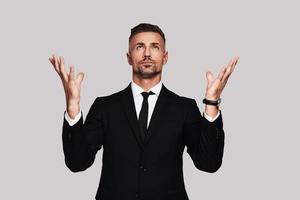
pixel 147 64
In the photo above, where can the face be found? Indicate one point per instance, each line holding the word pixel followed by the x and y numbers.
pixel 147 54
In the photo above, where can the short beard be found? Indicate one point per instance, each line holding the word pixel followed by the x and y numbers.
pixel 145 74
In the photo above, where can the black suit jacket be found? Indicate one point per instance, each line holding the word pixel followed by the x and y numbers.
pixel 149 169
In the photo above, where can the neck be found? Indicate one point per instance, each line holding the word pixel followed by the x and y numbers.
pixel 148 83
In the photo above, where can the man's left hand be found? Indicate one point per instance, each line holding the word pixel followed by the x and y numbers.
pixel 215 86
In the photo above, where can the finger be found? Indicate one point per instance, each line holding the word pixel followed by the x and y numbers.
pixel 235 63
pixel 209 77
pixel 80 77
pixel 62 69
pixel 52 57
pixel 55 61
pixel 57 66
pixel 52 60
pixel 71 73
pixel 232 67
pixel 221 74
pixel 226 73
pixel 228 69
pixel 224 84
pixel 58 60
pixel 236 60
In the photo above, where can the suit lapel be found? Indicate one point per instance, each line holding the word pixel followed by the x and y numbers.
pixel 129 109
pixel 157 113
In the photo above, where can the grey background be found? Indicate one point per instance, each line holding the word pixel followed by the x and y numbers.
pixel 260 102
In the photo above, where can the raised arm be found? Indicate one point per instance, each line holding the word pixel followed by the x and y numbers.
pixel 71 85
pixel 81 140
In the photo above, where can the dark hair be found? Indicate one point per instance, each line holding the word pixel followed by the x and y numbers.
pixel 145 27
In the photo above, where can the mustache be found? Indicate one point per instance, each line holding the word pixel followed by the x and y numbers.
pixel 146 60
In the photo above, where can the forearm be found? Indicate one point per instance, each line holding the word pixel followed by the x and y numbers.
pixel 81 141
pixel 205 140
pixel 74 146
pixel 211 144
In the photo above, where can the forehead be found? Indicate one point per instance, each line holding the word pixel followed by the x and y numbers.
pixel 147 38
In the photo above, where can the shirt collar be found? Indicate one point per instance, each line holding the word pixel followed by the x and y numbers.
pixel 137 90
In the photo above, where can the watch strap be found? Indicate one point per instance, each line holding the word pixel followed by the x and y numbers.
pixel 212 102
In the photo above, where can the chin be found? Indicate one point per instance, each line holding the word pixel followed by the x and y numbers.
pixel 149 75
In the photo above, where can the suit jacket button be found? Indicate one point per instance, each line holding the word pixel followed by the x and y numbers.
pixel 143 168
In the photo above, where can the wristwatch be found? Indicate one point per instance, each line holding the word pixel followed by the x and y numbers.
pixel 212 102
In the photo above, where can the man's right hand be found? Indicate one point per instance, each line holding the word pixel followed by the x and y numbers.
pixel 71 84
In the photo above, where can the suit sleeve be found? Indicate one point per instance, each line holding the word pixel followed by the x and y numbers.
pixel 204 139
pixel 82 140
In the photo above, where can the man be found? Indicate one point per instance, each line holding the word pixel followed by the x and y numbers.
pixel 143 128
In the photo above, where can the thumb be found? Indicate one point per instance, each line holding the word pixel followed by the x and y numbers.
pixel 80 77
pixel 209 77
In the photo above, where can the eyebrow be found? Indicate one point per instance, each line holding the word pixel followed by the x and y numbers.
pixel 152 43
pixel 139 43
pixel 155 43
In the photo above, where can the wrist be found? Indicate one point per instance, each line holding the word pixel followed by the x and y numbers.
pixel 73 102
pixel 73 113
pixel 212 97
pixel 211 110
pixel 73 108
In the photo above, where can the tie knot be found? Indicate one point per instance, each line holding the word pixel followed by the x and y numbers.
pixel 146 94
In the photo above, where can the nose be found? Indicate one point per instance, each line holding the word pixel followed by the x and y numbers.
pixel 147 52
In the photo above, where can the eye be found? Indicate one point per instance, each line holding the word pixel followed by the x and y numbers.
pixel 156 47
pixel 139 46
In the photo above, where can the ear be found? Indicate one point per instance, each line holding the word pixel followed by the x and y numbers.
pixel 129 60
pixel 166 56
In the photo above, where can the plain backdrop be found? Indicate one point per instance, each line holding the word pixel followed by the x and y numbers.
pixel 260 102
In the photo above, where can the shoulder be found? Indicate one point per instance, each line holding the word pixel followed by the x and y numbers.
pixel 179 98
pixel 109 99
pixel 180 101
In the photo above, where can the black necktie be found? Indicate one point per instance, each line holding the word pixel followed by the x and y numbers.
pixel 143 116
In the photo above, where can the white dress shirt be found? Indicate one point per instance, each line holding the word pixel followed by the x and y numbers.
pixel 138 100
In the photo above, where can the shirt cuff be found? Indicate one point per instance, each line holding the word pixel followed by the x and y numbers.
pixel 209 118
pixel 72 121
